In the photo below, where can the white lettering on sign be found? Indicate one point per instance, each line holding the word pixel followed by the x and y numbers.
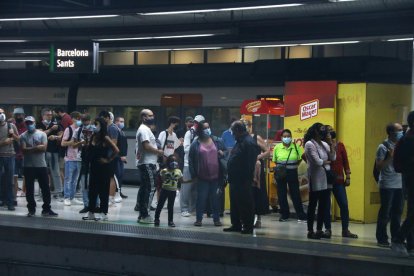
pixel 65 63
pixel 72 53
pixel 309 110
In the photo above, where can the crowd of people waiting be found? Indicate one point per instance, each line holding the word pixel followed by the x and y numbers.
pixel 74 152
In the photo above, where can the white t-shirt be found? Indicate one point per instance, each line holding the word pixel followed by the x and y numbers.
pixel 171 142
pixel 144 133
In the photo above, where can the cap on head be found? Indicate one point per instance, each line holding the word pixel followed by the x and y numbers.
pixel 199 118
pixel 18 110
pixel 29 119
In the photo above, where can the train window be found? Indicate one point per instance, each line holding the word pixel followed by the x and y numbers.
pixel 299 52
pixel 253 54
pixel 187 57
pixel 119 58
pixel 223 56
pixel 221 117
pixel 158 57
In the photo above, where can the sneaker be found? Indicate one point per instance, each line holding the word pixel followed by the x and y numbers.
pixel 49 213
pixel 313 236
pixel 198 223
pixel 31 214
pixel 117 198
pixel 90 216
pixel 185 214
pixel 171 224
pixel 217 223
pixel 302 220
pixel 111 202
pixel 157 222
pixel 324 235
pixel 76 201
pixel 104 217
pixel 349 234
pixel 84 210
pixel 147 220
pixel 384 244
pixel 123 196
pixel 283 219
pixel 399 249
pixel 67 202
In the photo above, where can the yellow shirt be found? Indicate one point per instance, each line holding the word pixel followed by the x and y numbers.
pixel 281 153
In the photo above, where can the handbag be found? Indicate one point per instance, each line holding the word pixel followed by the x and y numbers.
pixel 280 170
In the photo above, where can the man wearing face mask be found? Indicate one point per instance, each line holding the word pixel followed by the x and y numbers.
pixel 390 187
pixel 18 114
pixel 123 151
pixel 147 154
pixel 54 133
pixel 34 143
pixel 8 134
pixel 72 159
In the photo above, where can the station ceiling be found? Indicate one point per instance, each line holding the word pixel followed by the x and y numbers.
pixel 27 25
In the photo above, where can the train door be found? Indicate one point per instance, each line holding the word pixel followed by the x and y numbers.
pixel 180 105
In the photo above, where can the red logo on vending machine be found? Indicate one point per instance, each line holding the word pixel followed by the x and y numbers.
pixel 309 110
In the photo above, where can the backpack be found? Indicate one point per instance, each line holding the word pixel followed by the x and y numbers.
pixel 375 171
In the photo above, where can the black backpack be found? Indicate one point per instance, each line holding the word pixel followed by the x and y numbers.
pixel 375 171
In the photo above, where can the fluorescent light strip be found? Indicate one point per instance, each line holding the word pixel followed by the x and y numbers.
pixel 154 37
pixel 20 60
pixel 174 49
pixel 401 39
pixel 270 46
pixel 35 52
pixel 223 9
pixel 58 17
pixel 12 40
pixel 329 43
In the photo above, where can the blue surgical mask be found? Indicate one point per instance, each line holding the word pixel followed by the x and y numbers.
pixel 31 128
pixel 121 125
pixel 78 123
pixel 207 131
pixel 399 135
pixel 286 140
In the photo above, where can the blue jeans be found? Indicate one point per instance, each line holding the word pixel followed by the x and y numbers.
pixel 52 159
pixel 7 180
pixel 391 209
pixel 72 170
pixel 207 189
pixel 339 192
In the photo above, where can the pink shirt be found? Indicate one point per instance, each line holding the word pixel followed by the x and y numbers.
pixel 208 165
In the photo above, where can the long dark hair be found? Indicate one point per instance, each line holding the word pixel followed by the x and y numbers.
pixel 103 131
pixel 313 132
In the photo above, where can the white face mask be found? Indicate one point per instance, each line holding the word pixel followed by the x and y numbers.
pixel 2 117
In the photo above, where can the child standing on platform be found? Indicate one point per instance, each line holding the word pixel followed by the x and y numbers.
pixel 170 177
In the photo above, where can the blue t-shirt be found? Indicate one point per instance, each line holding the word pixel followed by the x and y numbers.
pixel 228 139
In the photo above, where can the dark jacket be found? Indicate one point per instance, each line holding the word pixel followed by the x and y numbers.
pixel 403 160
pixel 242 160
pixel 194 155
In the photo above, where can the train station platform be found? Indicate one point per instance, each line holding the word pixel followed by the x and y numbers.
pixel 69 246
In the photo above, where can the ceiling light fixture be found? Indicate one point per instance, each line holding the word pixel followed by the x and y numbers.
pixel 58 17
pixel 12 40
pixel 223 9
pixel 401 39
pixel 329 43
pixel 20 60
pixel 174 49
pixel 154 37
pixel 34 52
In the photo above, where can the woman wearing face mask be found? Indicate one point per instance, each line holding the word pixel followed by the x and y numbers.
pixel 204 166
pixel 288 155
pixel 99 148
pixel 319 156
pixel 340 166
pixel 261 201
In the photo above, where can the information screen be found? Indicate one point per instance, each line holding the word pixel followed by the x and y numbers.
pixel 74 57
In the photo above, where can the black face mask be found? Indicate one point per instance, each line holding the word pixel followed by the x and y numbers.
pixel 19 120
pixel 323 134
pixel 333 134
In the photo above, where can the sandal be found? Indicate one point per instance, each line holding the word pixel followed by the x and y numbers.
pixel 348 234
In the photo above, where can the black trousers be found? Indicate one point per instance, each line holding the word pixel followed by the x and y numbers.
pixel 323 199
pixel 164 195
pixel 241 204
pixel 292 181
pixel 406 231
pixel 99 180
pixel 30 174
